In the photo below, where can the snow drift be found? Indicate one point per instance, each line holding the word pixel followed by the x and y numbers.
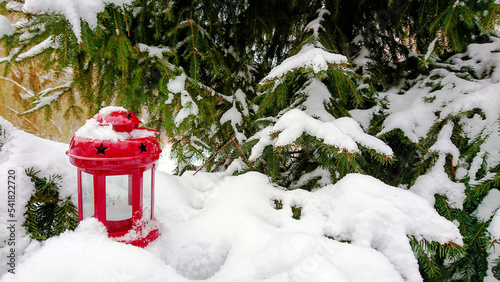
pixel 219 227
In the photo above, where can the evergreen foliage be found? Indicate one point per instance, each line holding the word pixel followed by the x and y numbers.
pixel 201 72
pixel 469 167
pixel 46 214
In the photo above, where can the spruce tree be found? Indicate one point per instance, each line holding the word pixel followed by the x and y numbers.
pixel 443 144
pixel 303 113
pixel 206 73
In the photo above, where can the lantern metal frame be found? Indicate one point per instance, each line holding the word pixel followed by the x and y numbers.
pixel 130 157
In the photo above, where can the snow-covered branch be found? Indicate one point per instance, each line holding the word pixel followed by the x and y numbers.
pixel 43 100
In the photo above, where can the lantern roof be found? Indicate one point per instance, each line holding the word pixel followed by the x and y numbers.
pixel 119 118
pixel 112 139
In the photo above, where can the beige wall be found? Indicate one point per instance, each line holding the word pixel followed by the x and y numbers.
pixel 57 127
pixel 13 101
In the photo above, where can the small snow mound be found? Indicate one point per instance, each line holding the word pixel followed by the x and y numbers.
pixel 176 85
pixel 109 109
pixel 93 226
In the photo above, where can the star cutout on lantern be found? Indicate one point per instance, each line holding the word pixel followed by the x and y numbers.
pixel 101 149
pixel 128 115
pixel 143 148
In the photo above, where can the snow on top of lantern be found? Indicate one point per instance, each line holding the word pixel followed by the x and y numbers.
pixel 109 109
pixel 94 130
pixel 113 124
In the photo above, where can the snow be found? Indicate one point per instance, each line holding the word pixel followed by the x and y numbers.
pixel 488 206
pixel 417 109
pixel 72 10
pixel 362 59
pixel 494 227
pixel 97 259
pixel 234 116
pixel 436 181
pixel 444 145
pixel 370 213
pixel 44 100
pixel 430 49
pixel 241 98
pixel 166 163
pixel 153 51
pixel 103 112
pixel 25 23
pixel 11 55
pixel 343 133
pixel 309 56
pixel 317 95
pixel 409 113
pixel 218 227
pixel 6 27
pixel 429 100
pixel 189 107
pixel 22 150
pixel 321 173
pixel 315 24
pixel 94 130
pixel 39 48
pixel 363 117
pixel 488 209
pixel 14 6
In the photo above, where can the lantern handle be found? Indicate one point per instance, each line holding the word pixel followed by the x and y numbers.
pixel 149 129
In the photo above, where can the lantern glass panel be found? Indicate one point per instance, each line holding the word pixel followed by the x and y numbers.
pixel 87 195
pixel 118 197
pixel 146 192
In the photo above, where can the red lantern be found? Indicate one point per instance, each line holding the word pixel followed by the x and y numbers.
pixel 116 162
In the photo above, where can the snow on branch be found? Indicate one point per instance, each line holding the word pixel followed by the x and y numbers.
pixel 343 133
pixel 189 107
pixel 436 181
pixel 315 24
pixel 154 51
pixel 234 116
pixel 73 10
pixel 44 100
pixel 310 56
pixel 13 53
pixel 444 145
pixel 38 49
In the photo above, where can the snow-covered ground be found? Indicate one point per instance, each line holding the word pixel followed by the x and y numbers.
pixel 218 227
